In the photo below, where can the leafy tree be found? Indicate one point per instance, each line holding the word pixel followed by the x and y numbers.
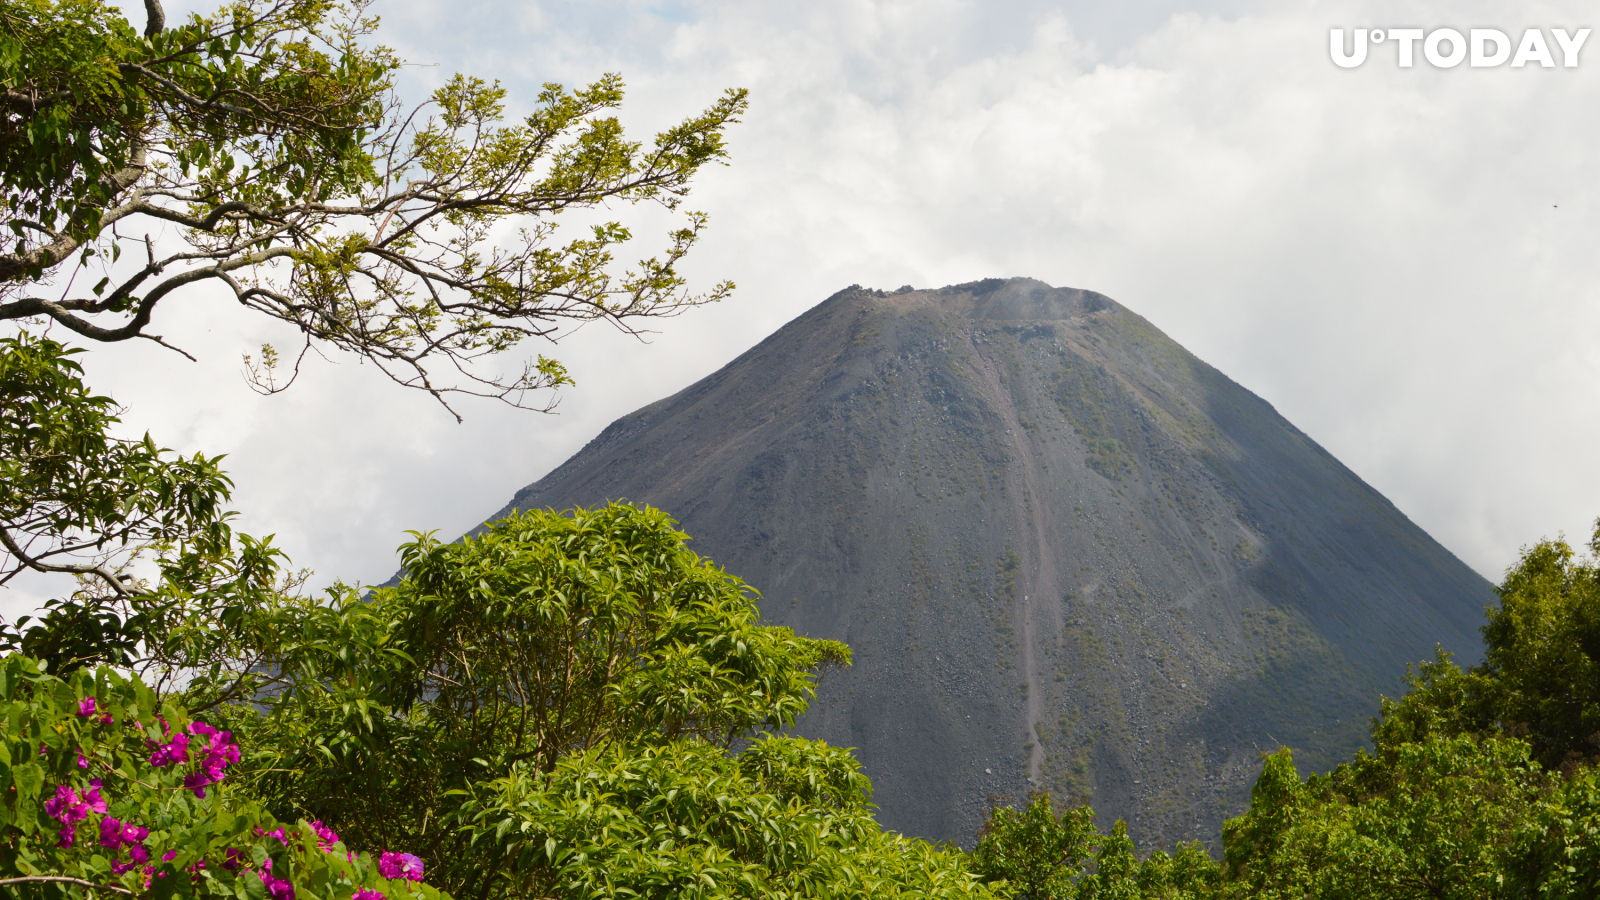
pixel 1041 855
pixel 71 495
pixel 76 499
pixel 270 135
pixel 1540 678
pixel 1189 872
pixel 1556 850
pixel 543 639
pixel 1542 653
pixel 785 818
pixel 1435 820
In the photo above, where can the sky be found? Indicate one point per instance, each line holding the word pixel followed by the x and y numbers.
pixel 1401 260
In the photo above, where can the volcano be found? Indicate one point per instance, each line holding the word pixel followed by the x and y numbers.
pixel 1067 554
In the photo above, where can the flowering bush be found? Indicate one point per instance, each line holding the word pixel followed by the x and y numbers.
pixel 106 791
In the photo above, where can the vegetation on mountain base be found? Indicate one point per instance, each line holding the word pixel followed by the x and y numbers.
pixel 1481 784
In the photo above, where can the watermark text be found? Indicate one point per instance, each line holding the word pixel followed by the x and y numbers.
pixel 1446 48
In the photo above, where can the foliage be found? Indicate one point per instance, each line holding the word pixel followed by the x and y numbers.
pixel 1556 851
pixel 270 135
pixel 69 490
pixel 545 636
pixel 593 627
pixel 1434 822
pixel 108 791
pixel 785 818
pixel 1481 783
pixel 1041 855
pixel 1542 652
pixel 1540 678
pixel 76 499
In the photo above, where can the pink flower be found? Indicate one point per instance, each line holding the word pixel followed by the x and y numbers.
pixel 277 888
pixel 139 854
pixel 67 835
pixel 277 833
pixel 93 800
pixel 233 859
pixel 83 762
pixel 119 868
pixel 367 894
pixel 400 865
pixel 133 834
pixel 110 833
pixel 177 751
pixel 216 751
pixel 171 855
pixel 325 836
pixel 87 707
pixel 67 807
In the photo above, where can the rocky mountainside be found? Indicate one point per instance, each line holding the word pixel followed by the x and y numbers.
pixel 1066 553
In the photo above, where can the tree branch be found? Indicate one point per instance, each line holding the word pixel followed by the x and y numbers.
pixel 16 265
pixel 63 879
pixel 105 574
pixel 155 19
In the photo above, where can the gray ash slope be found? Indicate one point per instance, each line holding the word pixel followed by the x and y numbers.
pixel 1066 553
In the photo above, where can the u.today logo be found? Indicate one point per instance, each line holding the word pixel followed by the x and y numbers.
pixel 1447 48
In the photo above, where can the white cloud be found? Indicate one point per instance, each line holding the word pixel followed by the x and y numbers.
pixel 1400 260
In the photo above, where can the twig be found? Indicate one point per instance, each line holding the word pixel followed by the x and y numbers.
pixel 63 879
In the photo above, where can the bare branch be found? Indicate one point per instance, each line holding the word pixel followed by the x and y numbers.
pixel 99 571
pixel 63 879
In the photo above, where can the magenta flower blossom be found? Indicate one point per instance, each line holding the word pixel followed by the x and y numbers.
pixel 277 833
pixel 119 868
pixel 83 761
pixel 87 707
pixel 177 751
pixel 277 888
pixel 400 865
pixel 67 807
pixel 325 835
pixel 67 836
pixel 93 800
pixel 367 894
pixel 133 834
pixel 139 854
pixel 215 750
pixel 233 859
pixel 171 855
pixel 110 833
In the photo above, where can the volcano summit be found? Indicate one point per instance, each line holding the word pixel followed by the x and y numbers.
pixel 1066 553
